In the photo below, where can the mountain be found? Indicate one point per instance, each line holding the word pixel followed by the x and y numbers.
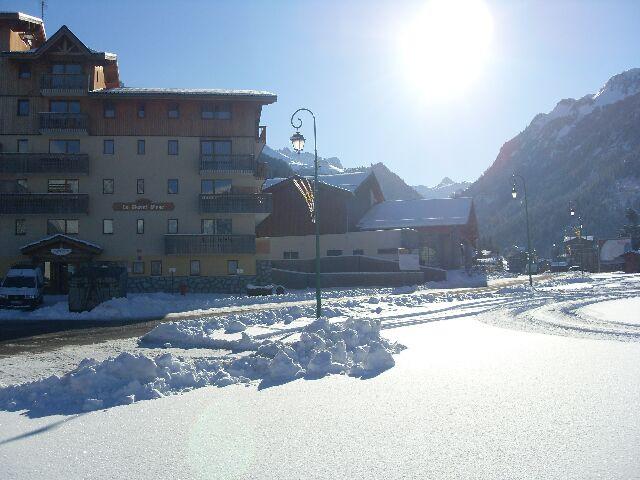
pixel 445 189
pixel 302 162
pixel 393 187
pixel 584 152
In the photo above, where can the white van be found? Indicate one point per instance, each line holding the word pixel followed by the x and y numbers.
pixel 22 287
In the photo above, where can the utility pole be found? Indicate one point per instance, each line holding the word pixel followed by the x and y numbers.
pixel 43 5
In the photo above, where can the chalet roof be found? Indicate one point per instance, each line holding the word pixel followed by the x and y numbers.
pixel 417 213
pixel 56 239
pixel 345 181
pixel 23 17
pixel 186 92
pixel 63 31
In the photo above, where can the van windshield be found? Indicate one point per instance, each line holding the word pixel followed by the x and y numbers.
pixel 19 282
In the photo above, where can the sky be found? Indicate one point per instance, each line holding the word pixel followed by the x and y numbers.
pixel 345 61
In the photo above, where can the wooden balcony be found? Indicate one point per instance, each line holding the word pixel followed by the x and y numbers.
pixel 228 164
pixel 52 122
pixel 40 203
pixel 63 84
pixel 236 203
pixel 34 163
pixel 196 244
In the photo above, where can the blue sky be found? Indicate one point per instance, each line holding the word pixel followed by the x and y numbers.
pixel 339 58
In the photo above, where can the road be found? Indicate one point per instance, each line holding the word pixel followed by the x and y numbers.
pixel 41 336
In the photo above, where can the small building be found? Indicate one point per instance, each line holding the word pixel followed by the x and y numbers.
pixel 631 261
pixel 582 251
pixel 447 227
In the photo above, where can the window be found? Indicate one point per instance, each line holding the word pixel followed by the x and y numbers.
pixel 156 267
pixel 172 225
pixel 108 147
pixel 174 111
pixel 358 251
pixel 137 268
pixel 23 108
pixel 64 185
pixel 107 226
pixel 215 147
pixel 64 106
pixel 21 226
pixel 24 70
pixel 218 226
pixel 221 111
pixel 140 186
pixel 141 147
pixel 109 110
pixel 173 147
pixel 334 253
pixel 215 186
pixel 232 267
pixel 387 251
pixel 172 186
pixel 23 146
pixel 55 226
pixel 71 68
pixel 140 226
pixel 290 255
pixel 141 110
pixel 194 267
pixel 64 146
pixel 23 184
pixel 107 186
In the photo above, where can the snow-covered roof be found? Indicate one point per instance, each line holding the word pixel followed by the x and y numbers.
pixel 417 213
pixel 192 92
pixel 345 181
pixel 584 237
pixel 59 237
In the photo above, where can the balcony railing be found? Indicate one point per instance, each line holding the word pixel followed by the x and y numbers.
pixel 236 203
pixel 44 163
pixel 69 122
pixel 35 203
pixel 180 244
pixel 228 163
pixel 63 82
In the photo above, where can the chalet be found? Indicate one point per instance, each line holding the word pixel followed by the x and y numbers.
pixel 582 251
pixel 447 227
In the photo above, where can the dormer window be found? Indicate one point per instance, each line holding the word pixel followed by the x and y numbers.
pixel 174 111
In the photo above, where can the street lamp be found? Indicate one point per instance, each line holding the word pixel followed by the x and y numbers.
pixel 514 194
pixel 297 141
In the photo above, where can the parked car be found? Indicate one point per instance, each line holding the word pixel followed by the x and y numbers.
pixel 22 287
pixel 263 290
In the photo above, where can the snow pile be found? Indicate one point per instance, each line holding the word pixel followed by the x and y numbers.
pixel 354 348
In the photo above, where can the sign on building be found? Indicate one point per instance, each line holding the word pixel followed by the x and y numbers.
pixel 143 205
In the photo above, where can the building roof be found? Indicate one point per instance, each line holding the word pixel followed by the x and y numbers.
pixel 185 92
pixel 417 213
pixel 345 181
pixel 583 237
pixel 59 237
pixel 23 17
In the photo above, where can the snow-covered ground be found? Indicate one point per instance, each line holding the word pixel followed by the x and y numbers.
pixel 555 394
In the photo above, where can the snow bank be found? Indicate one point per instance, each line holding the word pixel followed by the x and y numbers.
pixel 354 348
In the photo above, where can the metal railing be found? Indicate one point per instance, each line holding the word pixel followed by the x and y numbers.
pixel 63 121
pixel 44 163
pixel 228 163
pixel 236 203
pixel 63 81
pixel 181 244
pixel 34 203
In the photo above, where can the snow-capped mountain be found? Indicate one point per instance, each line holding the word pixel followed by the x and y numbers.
pixel 303 162
pixel 585 152
pixel 445 189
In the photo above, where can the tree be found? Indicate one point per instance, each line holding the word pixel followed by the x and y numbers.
pixel 632 228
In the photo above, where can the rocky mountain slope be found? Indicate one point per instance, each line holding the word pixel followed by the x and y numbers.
pixel 584 152
pixel 445 189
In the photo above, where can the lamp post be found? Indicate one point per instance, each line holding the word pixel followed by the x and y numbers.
pixel 514 194
pixel 297 140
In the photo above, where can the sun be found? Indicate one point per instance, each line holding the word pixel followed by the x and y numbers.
pixel 444 48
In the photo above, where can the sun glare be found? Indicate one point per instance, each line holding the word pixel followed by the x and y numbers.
pixel 445 46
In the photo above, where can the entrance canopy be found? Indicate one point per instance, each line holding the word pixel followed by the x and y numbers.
pixel 61 248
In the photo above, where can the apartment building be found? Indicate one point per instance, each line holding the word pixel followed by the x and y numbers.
pixel 164 181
